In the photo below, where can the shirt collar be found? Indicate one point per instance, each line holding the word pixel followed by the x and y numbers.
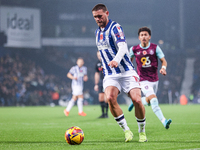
pixel 145 47
pixel 107 26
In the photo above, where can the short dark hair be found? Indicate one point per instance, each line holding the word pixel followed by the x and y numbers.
pixel 144 29
pixel 99 7
pixel 80 58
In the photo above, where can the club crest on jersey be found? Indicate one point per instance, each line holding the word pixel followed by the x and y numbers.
pixel 151 52
pixel 144 52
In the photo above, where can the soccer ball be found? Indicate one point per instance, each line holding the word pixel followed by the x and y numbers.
pixel 74 135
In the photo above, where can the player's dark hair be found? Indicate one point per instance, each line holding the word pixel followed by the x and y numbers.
pixel 144 29
pixel 80 58
pixel 99 7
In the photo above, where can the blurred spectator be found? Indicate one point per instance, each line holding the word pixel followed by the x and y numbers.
pixel 22 82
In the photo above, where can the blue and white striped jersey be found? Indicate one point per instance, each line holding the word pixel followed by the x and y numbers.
pixel 106 41
pixel 79 73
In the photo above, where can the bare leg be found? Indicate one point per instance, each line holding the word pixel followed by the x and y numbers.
pixel 135 95
pixel 111 93
pixel 102 104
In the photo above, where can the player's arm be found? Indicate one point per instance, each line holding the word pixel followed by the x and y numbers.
pixel 120 54
pixel 70 76
pixel 164 66
pixel 96 80
pixel 132 59
pixel 119 38
pixel 131 54
pixel 161 56
pixel 85 78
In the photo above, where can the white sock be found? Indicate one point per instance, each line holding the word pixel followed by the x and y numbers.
pixel 80 105
pixel 70 105
pixel 144 102
pixel 163 120
pixel 122 122
pixel 156 109
pixel 141 125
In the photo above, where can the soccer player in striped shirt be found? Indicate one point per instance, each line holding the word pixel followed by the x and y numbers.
pixel 119 72
pixel 78 74
pixel 146 55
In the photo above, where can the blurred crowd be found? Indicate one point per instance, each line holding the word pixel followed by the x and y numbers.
pixel 25 81
pixel 195 91
pixel 22 82
pixel 170 85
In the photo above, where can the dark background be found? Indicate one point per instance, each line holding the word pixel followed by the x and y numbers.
pixel 175 22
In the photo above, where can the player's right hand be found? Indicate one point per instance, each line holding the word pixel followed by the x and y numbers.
pixel 85 78
pixel 163 71
pixel 113 64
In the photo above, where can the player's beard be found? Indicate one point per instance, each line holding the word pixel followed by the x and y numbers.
pixel 103 23
pixel 145 43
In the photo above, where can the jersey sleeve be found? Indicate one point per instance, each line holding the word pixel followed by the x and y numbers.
pixel 118 34
pixel 85 71
pixel 72 70
pixel 97 68
pixel 131 54
pixel 159 52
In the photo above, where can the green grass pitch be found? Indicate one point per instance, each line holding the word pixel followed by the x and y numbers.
pixel 43 128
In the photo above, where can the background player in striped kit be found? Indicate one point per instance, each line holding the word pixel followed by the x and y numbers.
pixel 146 55
pixel 78 74
pixel 98 79
pixel 118 70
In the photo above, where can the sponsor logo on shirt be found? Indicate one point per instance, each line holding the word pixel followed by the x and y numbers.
pixel 102 44
pixel 119 34
pixel 138 53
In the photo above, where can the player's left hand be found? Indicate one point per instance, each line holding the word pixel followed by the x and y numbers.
pixel 163 71
pixel 85 78
pixel 113 64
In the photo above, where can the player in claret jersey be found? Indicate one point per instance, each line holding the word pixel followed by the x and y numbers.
pixel 146 56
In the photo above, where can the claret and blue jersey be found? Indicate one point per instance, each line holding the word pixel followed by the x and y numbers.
pixel 147 61
pixel 106 41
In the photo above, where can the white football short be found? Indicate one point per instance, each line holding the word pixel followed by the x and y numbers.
pixel 126 81
pixel 77 90
pixel 149 88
